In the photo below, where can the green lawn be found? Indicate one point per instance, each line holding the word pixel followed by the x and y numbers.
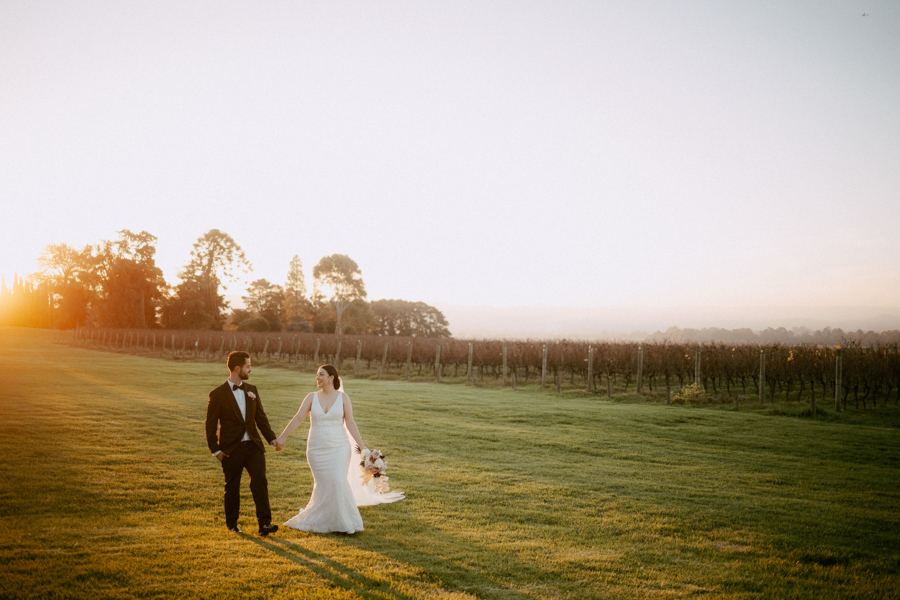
pixel 107 490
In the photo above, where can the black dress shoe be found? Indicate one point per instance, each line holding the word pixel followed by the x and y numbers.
pixel 267 529
pixel 235 529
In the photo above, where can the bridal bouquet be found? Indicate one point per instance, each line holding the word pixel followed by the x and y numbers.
pixel 373 467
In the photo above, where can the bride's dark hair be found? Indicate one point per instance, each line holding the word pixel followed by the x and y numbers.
pixel 333 372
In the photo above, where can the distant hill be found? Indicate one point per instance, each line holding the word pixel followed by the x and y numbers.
pixel 541 321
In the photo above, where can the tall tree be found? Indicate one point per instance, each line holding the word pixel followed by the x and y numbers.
pixel 215 258
pixel 266 300
pixel 340 275
pixel 129 285
pixel 188 307
pixel 65 273
pixel 297 306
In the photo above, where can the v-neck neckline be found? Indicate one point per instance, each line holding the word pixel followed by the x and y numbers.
pixel 325 412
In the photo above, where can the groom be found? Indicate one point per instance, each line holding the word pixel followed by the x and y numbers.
pixel 234 408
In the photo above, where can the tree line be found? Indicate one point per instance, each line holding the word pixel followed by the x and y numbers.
pixel 117 284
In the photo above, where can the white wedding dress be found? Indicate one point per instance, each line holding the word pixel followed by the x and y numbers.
pixel 337 488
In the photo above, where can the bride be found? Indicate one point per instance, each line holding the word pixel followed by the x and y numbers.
pixel 338 487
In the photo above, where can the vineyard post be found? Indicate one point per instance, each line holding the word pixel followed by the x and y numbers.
pixel 837 379
pixel 437 363
pixel 469 374
pixel 697 368
pixel 92 337
pixel 640 369
pixel 221 346
pixel 408 360
pixel 184 346
pixel 590 385
pixel 104 339
pixel 513 379
pixel 163 344
pixel 812 405
pixel 337 354
pixel 762 375
pixel 544 368
pixel 316 355
pixel 154 343
pixel 117 340
pixel 280 342
pixel 208 346
pixel 383 358
pixel 146 341
pixel 504 364
pixel 358 353
pixel 608 386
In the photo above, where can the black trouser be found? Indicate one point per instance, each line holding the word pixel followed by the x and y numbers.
pixel 248 456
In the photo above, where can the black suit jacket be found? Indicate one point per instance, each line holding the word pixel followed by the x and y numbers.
pixel 223 409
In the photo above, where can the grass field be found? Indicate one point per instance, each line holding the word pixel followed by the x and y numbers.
pixel 107 490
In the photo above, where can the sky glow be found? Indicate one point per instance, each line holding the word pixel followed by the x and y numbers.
pixel 475 153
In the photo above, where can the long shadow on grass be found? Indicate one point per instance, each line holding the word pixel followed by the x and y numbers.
pixel 330 570
pixel 450 575
pixel 340 575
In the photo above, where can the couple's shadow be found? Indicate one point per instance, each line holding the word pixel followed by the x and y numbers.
pixel 441 571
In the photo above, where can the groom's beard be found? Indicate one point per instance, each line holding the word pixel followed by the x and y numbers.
pixel 244 377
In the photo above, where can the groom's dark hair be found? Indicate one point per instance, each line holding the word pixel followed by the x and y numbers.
pixel 238 358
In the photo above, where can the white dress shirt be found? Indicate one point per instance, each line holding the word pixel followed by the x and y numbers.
pixel 242 404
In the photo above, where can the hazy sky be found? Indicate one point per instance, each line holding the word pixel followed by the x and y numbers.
pixel 498 153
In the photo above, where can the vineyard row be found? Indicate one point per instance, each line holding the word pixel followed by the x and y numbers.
pixel 865 372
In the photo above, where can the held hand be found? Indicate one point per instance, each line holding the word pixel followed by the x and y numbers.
pixel 278 443
pixel 221 456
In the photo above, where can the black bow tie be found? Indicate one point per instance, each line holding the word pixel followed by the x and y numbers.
pixel 237 387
